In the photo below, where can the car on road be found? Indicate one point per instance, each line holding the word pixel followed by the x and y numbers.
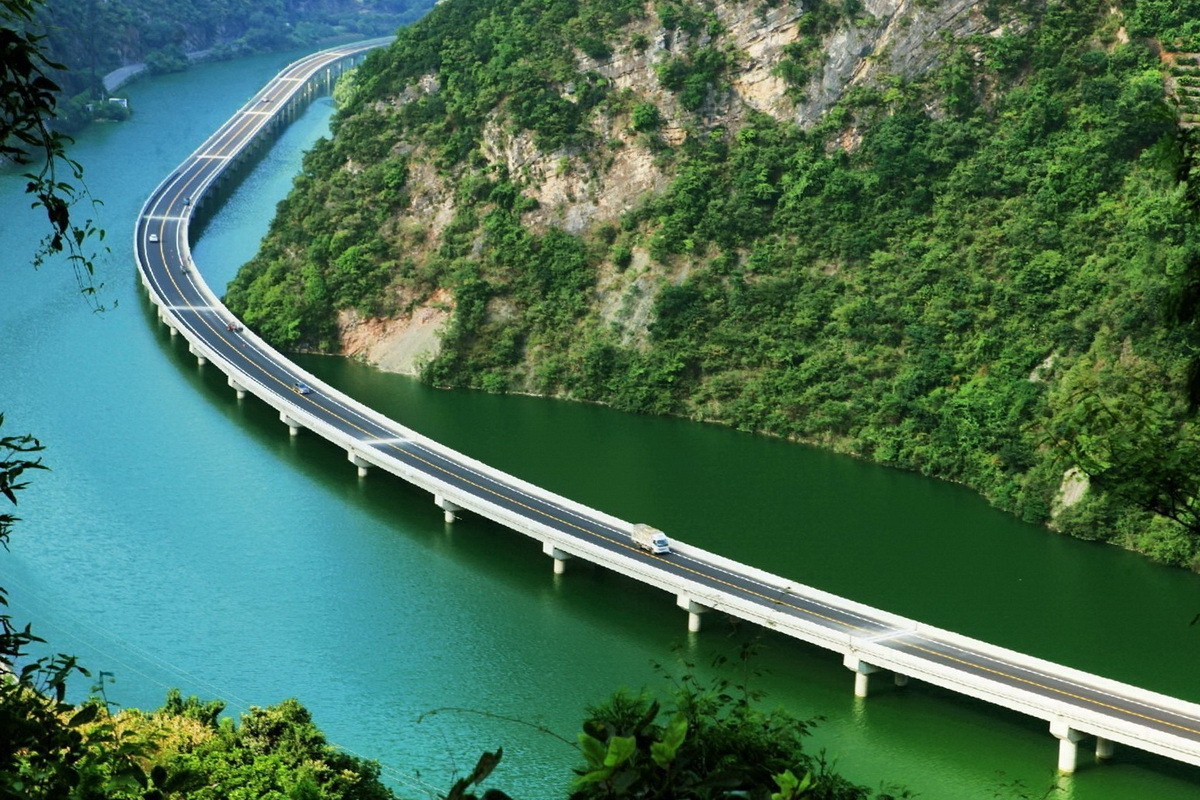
pixel 154 237
pixel 300 387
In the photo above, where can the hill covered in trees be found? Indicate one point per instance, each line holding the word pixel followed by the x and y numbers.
pixel 952 236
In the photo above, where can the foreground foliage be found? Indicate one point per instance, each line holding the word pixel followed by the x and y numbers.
pixel 705 742
pixel 709 741
pixel 28 140
pixel 270 752
pixel 50 749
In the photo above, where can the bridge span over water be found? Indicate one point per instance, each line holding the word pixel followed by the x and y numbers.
pixel 1079 707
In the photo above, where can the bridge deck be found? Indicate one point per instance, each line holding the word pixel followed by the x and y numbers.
pixel 868 638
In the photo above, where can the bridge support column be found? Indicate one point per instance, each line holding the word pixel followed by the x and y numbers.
pixel 360 462
pixel 446 506
pixel 1068 745
pixel 237 387
pixel 293 426
pixel 200 359
pixel 900 680
pixel 560 558
pixel 1104 749
pixel 862 672
pixel 694 610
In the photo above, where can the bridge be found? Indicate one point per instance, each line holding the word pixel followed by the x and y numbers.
pixel 1079 707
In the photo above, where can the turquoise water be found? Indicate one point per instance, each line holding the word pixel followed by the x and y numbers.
pixel 182 539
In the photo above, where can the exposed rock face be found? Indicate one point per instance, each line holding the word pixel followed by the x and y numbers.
pixel 580 191
pixel 401 344
pixel 1074 486
pixel 900 40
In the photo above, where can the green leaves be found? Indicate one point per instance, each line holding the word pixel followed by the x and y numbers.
pixel 84 715
pixel 695 74
pixel 15 461
pixel 604 760
pixel 711 743
pixel 663 752
pixel 593 750
pixel 791 787
pixel 483 768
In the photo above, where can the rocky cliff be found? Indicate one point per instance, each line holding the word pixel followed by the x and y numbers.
pixel 873 45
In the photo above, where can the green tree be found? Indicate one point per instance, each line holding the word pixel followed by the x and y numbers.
pixel 645 117
pixel 707 741
pixel 270 752
pixel 29 103
pixel 1134 438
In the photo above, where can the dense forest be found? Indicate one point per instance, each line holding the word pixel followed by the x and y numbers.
pixel 984 267
pixel 93 37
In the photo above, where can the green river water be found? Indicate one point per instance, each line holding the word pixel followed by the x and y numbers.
pixel 182 539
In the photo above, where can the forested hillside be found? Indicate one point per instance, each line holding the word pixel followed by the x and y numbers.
pixel 951 236
pixel 94 37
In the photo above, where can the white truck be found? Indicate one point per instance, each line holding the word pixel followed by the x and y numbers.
pixel 652 540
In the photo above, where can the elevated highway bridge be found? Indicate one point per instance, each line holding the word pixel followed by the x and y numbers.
pixel 1078 707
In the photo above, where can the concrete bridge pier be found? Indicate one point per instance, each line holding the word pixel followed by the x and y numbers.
pixel 1068 745
pixel 560 558
pixel 694 610
pixel 1104 749
pixel 237 387
pixel 449 508
pixel 862 673
pixel 293 426
pixel 200 359
pixel 360 462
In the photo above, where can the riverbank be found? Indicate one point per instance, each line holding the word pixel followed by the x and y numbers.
pixel 183 538
pixel 130 72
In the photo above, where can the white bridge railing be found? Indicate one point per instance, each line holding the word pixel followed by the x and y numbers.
pixel 1134 716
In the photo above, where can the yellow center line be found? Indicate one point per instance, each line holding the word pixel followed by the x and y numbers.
pixel 512 499
pixel 1054 689
pixel 736 588
pixel 239 129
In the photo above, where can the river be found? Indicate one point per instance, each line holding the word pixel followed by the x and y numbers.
pixel 182 539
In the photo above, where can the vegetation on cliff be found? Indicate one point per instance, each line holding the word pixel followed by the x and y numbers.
pixel 987 271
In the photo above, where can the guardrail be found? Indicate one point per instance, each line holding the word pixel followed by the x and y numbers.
pixel 1136 717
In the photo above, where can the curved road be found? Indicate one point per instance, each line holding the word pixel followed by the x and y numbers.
pixel 1075 703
